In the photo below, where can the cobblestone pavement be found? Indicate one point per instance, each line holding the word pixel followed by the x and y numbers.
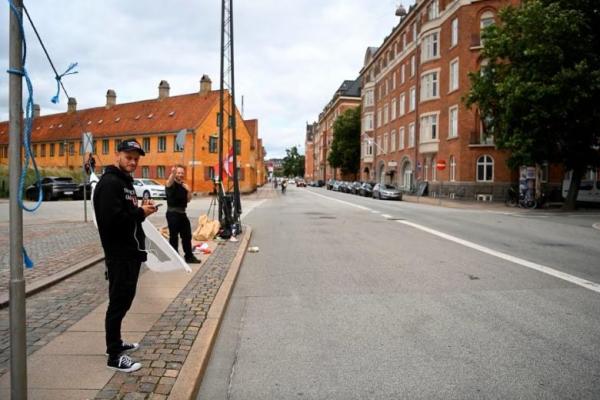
pixel 53 310
pixel 166 345
pixel 53 247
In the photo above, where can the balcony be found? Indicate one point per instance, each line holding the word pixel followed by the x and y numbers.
pixel 429 147
pixel 480 139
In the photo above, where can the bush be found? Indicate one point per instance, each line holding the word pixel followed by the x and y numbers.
pixel 76 174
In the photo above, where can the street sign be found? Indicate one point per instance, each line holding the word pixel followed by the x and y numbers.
pixel 87 142
pixel 440 165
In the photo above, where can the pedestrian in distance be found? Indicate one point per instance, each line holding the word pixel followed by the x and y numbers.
pixel 179 195
pixel 283 186
pixel 119 220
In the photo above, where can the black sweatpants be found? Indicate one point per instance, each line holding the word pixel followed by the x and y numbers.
pixel 122 282
pixel 179 225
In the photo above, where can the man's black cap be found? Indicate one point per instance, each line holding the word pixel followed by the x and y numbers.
pixel 131 145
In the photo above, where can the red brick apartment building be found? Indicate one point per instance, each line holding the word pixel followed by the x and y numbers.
pixel 57 138
pixel 413 116
pixel 347 96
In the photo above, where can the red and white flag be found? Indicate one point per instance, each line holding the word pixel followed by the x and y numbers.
pixel 227 165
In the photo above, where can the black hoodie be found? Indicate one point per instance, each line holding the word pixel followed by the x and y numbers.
pixel 118 216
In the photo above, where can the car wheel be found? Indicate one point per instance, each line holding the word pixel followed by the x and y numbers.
pixel 146 195
pixel 30 195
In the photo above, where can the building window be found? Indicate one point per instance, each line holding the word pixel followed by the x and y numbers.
pixel 454 32
pixel 43 150
pixel 238 147
pixel 430 48
pixel 61 149
pixel 369 98
pixel 94 147
pixel 485 169
pixel 402 104
pixel 428 128
pixel 162 144
pixel 176 147
pixel 80 148
pixel 403 41
pixel 433 169
pixel 452 169
pixel 385 143
pixel 71 148
pixel 213 144
pixel 51 149
pixel 210 173
pixel 411 134
pixel 394 109
pixel 145 172
pixel 433 10
pixel 393 141
pixel 453 83
pixel 402 73
pixel 414 32
pixel 368 125
pixel 117 143
pixel 413 66
pixel 487 19
pixel 379 118
pixel 453 122
pixel 393 81
pixel 160 171
pixel 34 150
pixel 105 146
pixel 412 99
pixel 146 144
pixel 544 172
pixel 401 139
pixel 386 113
pixel 429 86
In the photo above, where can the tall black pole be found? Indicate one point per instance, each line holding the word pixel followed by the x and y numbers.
pixel 220 118
pixel 236 187
pixel 18 344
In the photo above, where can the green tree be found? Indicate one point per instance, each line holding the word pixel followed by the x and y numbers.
pixel 293 163
pixel 539 90
pixel 345 147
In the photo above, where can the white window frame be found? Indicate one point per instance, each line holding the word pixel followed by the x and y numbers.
pixel 394 109
pixel 386 113
pixel 402 104
pixel 401 139
pixel 393 141
pixel 413 65
pixel 429 127
pixel 402 73
pixel 433 10
pixel 452 169
pixel 379 117
pixel 453 122
pixel 454 72
pixel 411 135
pixel 430 85
pixel 393 81
pixel 484 161
pixel 430 46
pixel 412 99
pixel 385 143
pixel 454 32
pixel 433 169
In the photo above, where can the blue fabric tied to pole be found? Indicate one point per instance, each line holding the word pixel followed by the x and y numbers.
pixel 69 71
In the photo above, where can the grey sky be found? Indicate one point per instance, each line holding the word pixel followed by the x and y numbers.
pixel 291 55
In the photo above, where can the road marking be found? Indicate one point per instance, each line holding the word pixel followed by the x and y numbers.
pixel 251 208
pixel 386 216
pixel 516 260
pixel 596 226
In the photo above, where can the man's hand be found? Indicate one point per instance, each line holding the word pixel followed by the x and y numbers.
pixel 149 208
pixel 185 186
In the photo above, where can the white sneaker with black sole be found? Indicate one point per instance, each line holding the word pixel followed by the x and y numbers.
pixel 123 364
pixel 127 348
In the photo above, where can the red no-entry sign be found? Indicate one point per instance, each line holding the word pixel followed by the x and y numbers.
pixel 440 165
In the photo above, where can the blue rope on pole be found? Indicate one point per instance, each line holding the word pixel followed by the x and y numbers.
pixel 58 78
pixel 27 130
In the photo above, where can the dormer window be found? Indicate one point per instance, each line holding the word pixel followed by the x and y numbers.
pixel 150 115
pixel 171 113
pixel 100 121
pixel 137 117
pixel 117 119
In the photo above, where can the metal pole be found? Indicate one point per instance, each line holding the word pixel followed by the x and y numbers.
pixel 236 185
pixel 18 344
pixel 221 119
pixel 85 179
pixel 193 158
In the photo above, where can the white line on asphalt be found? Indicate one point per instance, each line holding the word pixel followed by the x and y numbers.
pixel 386 216
pixel 248 210
pixel 538 267
pixel 596 226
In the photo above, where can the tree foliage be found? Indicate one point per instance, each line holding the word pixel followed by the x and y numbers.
pixel 540 88
pixel 293 163
pixel 345 147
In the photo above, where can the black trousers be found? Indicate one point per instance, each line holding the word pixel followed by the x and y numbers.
pixel 179 225
pixel 122 282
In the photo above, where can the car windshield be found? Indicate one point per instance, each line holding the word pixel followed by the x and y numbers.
pixel 390 187
pixel 150 182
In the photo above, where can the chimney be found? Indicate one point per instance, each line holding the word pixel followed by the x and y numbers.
pixel 36 110
pixel 71 105
pixel 111 98
pixel 163 89
pixel 205 85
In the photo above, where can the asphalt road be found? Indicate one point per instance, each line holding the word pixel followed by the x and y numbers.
pixel 347 301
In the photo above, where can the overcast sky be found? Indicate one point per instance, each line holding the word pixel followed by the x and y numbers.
pixel 290 55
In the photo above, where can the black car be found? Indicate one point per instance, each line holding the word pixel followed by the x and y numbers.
pixel 53 188
pixel 78 195
pixel 320 183
pixel 355 187
pixel 366 189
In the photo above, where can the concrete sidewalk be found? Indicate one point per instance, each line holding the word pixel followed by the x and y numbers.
pixel 175 316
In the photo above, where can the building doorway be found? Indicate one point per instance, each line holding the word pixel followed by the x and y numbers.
pixel 407 176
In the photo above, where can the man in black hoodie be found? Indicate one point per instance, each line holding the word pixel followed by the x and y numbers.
pixel 119 222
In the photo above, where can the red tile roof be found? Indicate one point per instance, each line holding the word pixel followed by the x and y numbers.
pixel 170 114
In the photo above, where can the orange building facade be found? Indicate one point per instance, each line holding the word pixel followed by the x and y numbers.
pixel 155 123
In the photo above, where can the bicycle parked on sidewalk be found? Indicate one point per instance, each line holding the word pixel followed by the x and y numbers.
pixel 514 198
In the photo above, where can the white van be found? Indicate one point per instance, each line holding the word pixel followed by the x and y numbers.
pixel 589 189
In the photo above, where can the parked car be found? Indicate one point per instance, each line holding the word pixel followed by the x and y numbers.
pixel 385 191
pixel 355 187
pixel 336 186
pixel 148 189
pixel 78 195
pixel 329 184
pixel 53 188
pixel 300 183
pixel 320 183
pixel 366 189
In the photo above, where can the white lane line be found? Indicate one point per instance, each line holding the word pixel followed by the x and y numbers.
pixel 519 261
pixel 386 216
pixel 251 208
pixel 375 212
pixel 596 226
pixel 516 260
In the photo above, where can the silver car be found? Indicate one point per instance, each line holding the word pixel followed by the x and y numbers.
pixel 148 189
pixel 385 191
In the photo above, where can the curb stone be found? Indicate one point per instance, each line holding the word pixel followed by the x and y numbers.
pixel 190 376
